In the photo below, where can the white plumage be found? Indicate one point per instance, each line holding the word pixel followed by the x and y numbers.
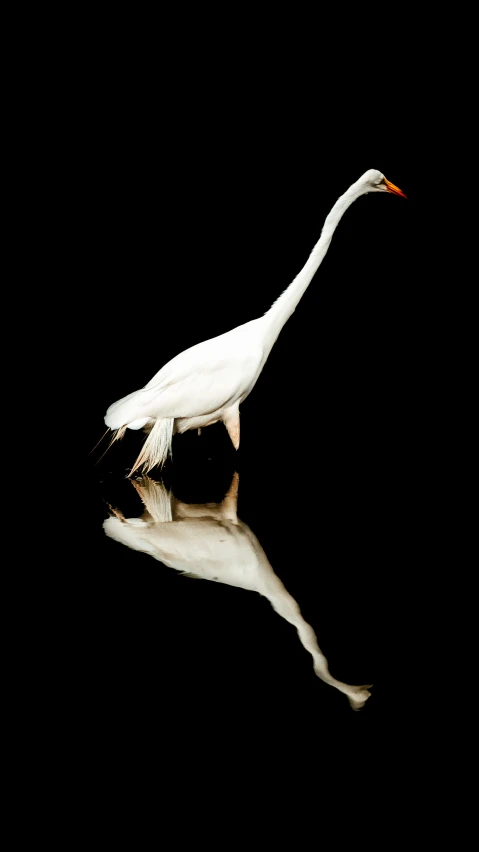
pixel 209 381
pixel 209 541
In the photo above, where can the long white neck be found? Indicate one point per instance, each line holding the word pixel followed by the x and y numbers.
pixel 284 306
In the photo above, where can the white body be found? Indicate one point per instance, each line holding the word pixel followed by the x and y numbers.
pixel 225 370
pixel 209 381
pixel 209 541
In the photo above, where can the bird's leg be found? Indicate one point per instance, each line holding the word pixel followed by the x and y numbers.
pixel 230 500
pixel 231 419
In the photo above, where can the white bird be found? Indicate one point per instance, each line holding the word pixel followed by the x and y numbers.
pixel 209 541
pixel 209 381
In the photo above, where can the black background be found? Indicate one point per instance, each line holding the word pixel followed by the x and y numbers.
pixel 183 208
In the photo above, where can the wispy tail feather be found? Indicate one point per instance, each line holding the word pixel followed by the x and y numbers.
pixel 155 498
pixel 99 442
pixel 117 434
pixel 157 446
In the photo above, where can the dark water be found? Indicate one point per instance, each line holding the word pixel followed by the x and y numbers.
pixel 331 468
pixel 159 653
pixel 182 211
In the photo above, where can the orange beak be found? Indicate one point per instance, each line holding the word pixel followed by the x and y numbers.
pixel 394 189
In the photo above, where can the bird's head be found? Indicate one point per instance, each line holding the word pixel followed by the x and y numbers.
pixel 374 181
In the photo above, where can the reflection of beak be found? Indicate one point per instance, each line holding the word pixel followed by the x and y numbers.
pixel 394 189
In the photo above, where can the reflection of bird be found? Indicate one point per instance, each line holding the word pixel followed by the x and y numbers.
pixel 209 541
pixel 209 381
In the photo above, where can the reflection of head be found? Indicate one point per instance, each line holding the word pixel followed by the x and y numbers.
pixel 209 541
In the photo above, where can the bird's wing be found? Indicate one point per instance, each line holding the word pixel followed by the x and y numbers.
pixel 209 376
pixel 241 342
pixel 203 390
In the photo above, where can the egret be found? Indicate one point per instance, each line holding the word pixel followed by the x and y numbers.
pixel 208 382
pixel 210 542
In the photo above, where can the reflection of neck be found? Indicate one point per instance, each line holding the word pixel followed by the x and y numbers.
pixel 286 606
pixel 165 513
pixel 284 306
